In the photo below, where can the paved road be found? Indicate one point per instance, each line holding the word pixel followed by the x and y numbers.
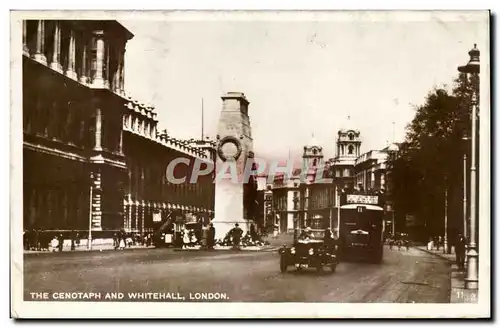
pixel 404 276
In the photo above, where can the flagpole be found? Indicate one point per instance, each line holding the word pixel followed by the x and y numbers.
pixel 202 118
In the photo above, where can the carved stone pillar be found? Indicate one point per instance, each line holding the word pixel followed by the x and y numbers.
pixel 117 72
pixel 122 72
pixel 108 68
pixel 98 78
pixel 83 74
pixel 40 41
pixel 96 200
pixel 55 64
pixel 26 51
pixel 120 143
pixel 71 71
pixel 98 132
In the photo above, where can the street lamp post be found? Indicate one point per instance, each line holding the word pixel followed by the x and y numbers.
pixel 445 248
pixel 465 195
pixel 89 244
pixel 471 279
pixel 393 223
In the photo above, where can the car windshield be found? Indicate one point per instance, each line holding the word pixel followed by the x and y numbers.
pixel 311 236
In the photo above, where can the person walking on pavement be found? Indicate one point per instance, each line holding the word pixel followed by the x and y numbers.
pixel 236 234
pixel 73 237
pixel 61 242
pixel 211 236
pixel 460 251
pixel 54 243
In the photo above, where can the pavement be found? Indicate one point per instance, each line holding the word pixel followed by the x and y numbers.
pixel 83 248
pixel 406 276
pixel 458 293
pixel 274 243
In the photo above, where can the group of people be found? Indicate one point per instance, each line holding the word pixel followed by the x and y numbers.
pixel 236 238
pixel 435 242
pixel 460 244
pixel 400 241
pixel 41 240
pixel 122 240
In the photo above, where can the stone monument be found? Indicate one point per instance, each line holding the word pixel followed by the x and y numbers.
pixel 234 148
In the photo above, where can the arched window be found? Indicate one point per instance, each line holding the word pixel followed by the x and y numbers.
pixel 351 136
pixel 351 149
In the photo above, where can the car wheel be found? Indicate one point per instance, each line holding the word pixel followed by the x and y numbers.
pixel 283 265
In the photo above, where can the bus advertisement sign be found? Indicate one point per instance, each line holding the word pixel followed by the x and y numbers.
pixel 362 199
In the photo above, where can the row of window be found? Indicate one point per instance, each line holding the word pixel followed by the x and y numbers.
pixel 150 183
pixel 68 121
pixel 58 119
pixel 55 209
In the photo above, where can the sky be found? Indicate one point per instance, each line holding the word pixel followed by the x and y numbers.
pixel 304 75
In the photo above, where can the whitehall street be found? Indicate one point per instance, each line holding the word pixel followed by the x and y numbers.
pixel 222 276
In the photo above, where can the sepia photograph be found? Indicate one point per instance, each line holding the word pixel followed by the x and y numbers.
pixel 272 164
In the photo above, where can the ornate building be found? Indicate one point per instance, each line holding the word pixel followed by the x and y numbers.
pixel 348 148
pixel 301 199
pixel 92 157
pixel 147 189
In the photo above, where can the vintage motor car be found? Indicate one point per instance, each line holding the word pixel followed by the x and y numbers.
pixel 308 253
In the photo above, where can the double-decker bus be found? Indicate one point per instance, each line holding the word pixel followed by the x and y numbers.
pixel 362 226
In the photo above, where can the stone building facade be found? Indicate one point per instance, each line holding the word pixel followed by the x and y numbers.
pixel 92 158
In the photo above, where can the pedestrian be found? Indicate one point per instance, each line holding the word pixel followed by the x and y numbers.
pixel 122 243
pixel 37 239
pixel 211 236
pixel 391 243
pixel 77 240
pixel 73 240
pixel 460 246
pixel 130 241
pixel 236 234
pixel 253 232
pixel 54 243
pixel 116 241
pixel 61 242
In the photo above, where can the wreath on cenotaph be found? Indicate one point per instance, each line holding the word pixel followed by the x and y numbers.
pixel 234 141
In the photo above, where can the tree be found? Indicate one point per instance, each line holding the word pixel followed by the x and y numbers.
pixel 431 159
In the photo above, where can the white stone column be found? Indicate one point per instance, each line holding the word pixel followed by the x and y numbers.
pixel 83 75
pixel 106 61
pixel 98 132
pixel 372 178
pixel 55 64
pixel 120 142
pixel 122 72
pixel 40 41
pixel 26 51
pixel 116 74
pixel 71 71
pixel 98 79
